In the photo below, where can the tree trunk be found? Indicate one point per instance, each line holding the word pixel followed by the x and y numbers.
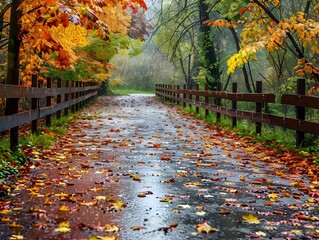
pixel 12 104
pixel 210 62
pixel 246 77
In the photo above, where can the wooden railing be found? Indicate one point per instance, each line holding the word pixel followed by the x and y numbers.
pixel 73 95
pixel 211 101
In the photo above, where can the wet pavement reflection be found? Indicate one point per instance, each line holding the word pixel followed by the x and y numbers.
pixel 139 165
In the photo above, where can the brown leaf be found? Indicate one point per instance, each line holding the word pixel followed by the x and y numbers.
pixel 224 212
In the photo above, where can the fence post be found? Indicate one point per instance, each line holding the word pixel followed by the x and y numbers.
pixel 197 98
pixel 72 97
pixel 184 95
pixel 190 97
pixel 12 107
pixel 300 111
pixel 259 89
pixel 66 97
pixel 177 95
pixel 206 100
pixel 59 97
pixel 82 94
pixel 218 101
pixel 34 104
pixel 49 102
pixel 77 106
pixel 234 105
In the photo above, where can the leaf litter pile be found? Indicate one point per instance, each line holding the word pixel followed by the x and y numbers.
pixel 133 168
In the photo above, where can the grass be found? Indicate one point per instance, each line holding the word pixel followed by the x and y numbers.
pixel 11 162
pixel 120 91
pixel 274 137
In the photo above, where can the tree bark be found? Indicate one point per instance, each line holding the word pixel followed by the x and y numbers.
pixel 210 61
pixel 12 104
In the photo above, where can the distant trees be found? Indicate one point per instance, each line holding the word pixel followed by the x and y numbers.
pixel 281 34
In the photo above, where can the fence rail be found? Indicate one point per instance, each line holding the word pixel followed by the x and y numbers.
pixel 211 101
pixel 73 95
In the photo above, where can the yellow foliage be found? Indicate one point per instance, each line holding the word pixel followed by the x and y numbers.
pixel 69 38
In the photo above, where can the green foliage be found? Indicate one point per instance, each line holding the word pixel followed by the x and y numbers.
pixel 94 57
pixel 121 91
pixel 11 162
pixel 229 9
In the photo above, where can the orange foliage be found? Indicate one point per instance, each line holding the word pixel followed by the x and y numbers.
pixel 57 26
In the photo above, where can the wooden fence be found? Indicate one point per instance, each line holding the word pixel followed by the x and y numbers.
pixel 58 99
pixel 211 101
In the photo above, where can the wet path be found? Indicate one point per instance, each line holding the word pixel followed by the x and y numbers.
pixel 132 168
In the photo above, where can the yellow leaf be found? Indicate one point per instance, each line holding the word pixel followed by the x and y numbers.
pixel 63 227
pixel 260 233
pixel 205 228
pixel 88 203
pixel 273 196
pixel 297 232
pixel 167 199
pixel 202 213
pixel 251 219
pixel 16 237
pixel 64 208
pixel 100 198
pixel 5 211
pixel 111 228
pixel 119 205
pixel 15 225
pixel 47 201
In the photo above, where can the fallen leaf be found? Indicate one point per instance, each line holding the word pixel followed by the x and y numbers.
pixel 243 178
pixel 260 233
pixel 251 219
pixel 273 196
pixel 184 206
pixel 88 203
pixel 173 225
pixel 167 199
pixel 5 219
pixel 64 208
pixel 119 205
pixel 14 224
pixel 205 228
pixel 111 228
pixel 202 213
pixel 47 201
pixel 135 177
pixel 16 237
pixel 135 228
pixel 166 158
pixel 224 212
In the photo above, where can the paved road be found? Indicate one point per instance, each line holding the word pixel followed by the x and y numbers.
pixel 136 164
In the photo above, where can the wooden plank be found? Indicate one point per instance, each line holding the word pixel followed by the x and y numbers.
pixel 15 120
pixel 294 124
pixel 301 101
pixel 13 91
pixel 244 97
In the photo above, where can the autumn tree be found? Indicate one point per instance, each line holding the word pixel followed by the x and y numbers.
pixel 267 26
pixel 51 31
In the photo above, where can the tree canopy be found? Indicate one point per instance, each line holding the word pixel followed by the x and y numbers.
pixel 56 33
